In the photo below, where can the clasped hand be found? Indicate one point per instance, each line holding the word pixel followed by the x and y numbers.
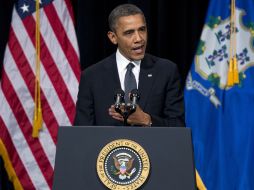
pixel 139 117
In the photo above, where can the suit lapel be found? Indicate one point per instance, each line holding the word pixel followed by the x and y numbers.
pixel 146 79
pixel 111 69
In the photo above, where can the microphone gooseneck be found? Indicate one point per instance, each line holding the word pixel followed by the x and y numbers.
pixel 119 99
pixel 126 109
pixel 134 97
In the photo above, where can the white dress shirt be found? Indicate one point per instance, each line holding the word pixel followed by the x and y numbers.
pixel 122 63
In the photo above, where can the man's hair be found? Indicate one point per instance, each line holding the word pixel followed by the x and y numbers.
pixel 120 11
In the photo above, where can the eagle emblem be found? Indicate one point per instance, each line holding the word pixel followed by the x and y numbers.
pixel 120 165
pixel 123 166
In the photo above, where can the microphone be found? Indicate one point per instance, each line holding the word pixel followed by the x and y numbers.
pixel 134 97
pixel 119 99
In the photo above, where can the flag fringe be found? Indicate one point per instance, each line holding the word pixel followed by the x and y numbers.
pixel 236 73
pixel 230 74
pixel 37 124
pixel 199 182
pixel 9 168
pixel 233 74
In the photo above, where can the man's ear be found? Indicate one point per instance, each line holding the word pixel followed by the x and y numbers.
pixel 112 37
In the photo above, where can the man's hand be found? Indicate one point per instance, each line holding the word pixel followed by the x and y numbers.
pixel 137 118
pixel 112 112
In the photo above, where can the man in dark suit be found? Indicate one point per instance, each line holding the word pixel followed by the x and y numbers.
pixel 158 82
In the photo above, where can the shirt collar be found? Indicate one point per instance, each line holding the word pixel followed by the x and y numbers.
pixel 122 61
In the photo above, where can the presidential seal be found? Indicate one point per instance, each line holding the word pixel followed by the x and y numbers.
pixel 123 165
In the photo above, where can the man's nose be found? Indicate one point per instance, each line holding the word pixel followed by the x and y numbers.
pixel 138 37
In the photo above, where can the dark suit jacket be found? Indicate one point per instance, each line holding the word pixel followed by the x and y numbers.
pixel 159 87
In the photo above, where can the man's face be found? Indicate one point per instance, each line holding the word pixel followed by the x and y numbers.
pixel 131 36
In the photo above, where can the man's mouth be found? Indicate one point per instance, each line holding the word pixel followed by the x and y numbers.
pixel 138 49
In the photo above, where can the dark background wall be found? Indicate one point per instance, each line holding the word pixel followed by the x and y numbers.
pixel 174 28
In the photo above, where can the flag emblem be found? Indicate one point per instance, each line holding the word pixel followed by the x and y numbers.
pixel 212 57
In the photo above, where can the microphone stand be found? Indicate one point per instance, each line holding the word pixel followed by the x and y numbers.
pixel 127 111
pixel 125 118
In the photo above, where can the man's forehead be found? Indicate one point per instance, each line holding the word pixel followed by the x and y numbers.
pixel 132 21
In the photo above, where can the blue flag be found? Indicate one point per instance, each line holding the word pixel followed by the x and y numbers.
pixel 220 114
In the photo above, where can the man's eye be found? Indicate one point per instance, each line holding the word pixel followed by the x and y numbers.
pixel 142 29
pixel 128 32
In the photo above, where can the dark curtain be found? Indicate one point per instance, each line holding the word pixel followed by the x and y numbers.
pixel 5 18
pixel 174 28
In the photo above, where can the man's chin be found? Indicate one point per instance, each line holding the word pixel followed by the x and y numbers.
pixel 138 57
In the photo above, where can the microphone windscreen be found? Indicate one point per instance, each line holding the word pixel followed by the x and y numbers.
pixel 119 92
pixel 135 91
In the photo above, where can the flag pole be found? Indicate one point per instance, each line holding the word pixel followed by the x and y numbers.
pixel 37 120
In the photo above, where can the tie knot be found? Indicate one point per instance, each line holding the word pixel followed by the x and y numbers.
pixel 130 66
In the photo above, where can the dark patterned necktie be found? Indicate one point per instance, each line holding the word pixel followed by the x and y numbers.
pixel 129 81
